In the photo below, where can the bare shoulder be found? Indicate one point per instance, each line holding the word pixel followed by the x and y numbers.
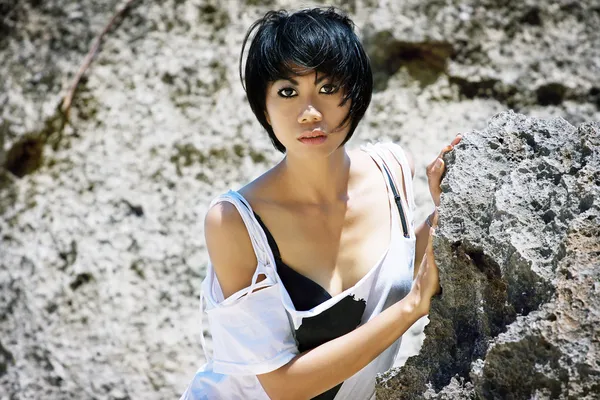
pixel 223 219
pixel 229 247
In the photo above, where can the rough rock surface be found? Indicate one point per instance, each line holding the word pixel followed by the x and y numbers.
pixel 518 249
pixel 101 249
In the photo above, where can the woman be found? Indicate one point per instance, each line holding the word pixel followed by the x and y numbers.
pixel 311 281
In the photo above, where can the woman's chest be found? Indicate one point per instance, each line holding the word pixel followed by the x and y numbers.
pixel 334 247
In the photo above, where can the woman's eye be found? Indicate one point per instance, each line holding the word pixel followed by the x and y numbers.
pixel 329 88
pixel 286 92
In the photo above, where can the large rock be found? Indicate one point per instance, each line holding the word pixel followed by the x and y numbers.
pixel 518 249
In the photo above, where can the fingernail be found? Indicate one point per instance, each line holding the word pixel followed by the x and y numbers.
pixel 438 163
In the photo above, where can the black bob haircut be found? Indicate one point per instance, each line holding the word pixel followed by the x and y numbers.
pixel 319 39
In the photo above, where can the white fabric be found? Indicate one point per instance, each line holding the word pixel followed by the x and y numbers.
pixel 253 330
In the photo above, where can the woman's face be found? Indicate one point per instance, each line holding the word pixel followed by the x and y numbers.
pixel 307 105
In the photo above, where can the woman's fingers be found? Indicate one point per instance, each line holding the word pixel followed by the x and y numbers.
pixel 456 140
pixel 434 178
pixel 450 147
pixel 436 171
pixel 445 150
pixel 437 166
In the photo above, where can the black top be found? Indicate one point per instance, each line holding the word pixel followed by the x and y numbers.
pixel 304 292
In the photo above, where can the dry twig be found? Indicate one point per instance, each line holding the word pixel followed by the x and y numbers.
pixel 68 99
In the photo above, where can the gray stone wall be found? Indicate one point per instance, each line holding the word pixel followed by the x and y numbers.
pixel 102 251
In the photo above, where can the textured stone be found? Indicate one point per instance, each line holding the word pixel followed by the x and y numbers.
pixel 102 247
pixel 518 248
pixel 519 53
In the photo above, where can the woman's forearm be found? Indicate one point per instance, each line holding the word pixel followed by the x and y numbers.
pixel 422 238
pixel 318 370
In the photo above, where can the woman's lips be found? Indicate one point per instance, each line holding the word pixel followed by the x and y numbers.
pixel 312 133
pixel 313 137
pixel 313 140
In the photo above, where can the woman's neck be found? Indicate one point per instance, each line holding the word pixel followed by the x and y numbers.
pixel 318 181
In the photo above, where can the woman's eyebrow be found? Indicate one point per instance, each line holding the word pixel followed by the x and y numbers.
pixel 321 78
pixel 295 82
pixel 318 79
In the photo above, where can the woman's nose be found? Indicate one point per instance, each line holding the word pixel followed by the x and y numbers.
pixel 310 114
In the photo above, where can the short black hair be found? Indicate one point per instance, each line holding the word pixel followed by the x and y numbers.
pixel 319 39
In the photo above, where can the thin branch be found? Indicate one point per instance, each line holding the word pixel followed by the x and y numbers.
pixel 68 99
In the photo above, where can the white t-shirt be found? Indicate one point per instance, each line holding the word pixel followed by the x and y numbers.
pixel 254 331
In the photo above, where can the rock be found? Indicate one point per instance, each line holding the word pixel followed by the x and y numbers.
pixel 101 227
pixel 518 248
pixel 519 53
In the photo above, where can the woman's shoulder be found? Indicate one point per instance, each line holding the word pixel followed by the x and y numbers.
pixel 227 235
pixel 229 247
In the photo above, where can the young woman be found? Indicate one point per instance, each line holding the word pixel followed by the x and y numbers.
pixel 311 282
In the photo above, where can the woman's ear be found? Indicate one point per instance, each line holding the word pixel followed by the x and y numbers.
pixel 267 117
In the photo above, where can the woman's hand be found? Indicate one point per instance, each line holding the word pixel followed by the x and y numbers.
pixel 427 281
pixel 435 171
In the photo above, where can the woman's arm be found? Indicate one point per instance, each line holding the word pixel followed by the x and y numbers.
pixel 435 172
pixel 229 248
pixel 422 239
pixel 318 370
pixel 315 371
